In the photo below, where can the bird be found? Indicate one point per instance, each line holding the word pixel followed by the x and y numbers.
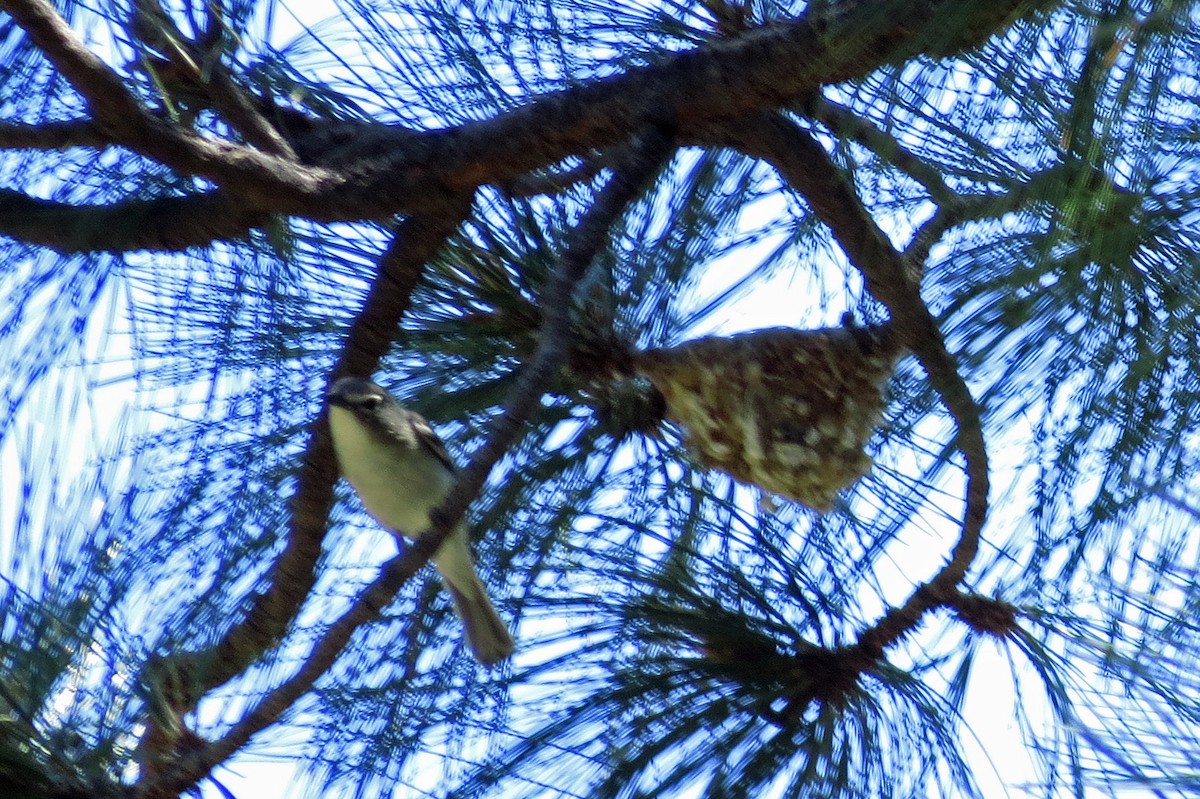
pixel 401 471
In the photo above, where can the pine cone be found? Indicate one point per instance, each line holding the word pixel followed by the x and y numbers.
pixel 787 410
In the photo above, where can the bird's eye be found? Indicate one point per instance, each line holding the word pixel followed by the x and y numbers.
pixel 371 401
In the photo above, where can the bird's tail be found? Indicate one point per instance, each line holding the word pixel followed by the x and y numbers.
pixel 487 634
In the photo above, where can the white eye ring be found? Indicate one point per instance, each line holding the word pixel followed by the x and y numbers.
pixel 371 401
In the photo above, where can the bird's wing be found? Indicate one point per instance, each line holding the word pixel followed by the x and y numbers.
pixel 427 438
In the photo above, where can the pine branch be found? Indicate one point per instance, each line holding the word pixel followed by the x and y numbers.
pixel 53 135
pixel 378 171
pixel 648 150
pixel 185 677
pixel 844 122
pixel 724 79
pixel 197 64
pixel 254 175
pixel 803 163
pixel 366 608
pixel 587 239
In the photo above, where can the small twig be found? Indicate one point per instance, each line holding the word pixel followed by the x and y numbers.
pixel 160 31
pixel 962 208
pixel 243 115
pixel 556 181
pixel 252 174
pixel 844 122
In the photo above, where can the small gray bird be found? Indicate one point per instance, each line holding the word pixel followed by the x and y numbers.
pixel 401 471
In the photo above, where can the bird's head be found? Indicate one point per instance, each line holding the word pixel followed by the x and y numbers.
pixel 357 394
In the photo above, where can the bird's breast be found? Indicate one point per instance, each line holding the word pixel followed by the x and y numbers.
pixel 398 484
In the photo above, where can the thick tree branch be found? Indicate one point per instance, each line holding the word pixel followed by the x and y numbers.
pixel 378 171
pixel 166 224
pixel 100 86
pixel 761 69
pixel 169 224
pixel 53 135
pixel 805 165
